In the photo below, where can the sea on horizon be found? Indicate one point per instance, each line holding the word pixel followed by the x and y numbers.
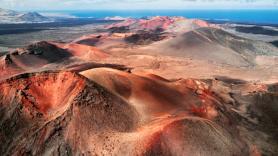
pixel 241 16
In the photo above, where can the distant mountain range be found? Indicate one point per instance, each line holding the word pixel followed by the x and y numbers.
pixel 10 16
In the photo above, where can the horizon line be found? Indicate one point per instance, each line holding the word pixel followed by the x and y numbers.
pixel 162 9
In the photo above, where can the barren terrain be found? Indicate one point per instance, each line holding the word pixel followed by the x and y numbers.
pixel 158 86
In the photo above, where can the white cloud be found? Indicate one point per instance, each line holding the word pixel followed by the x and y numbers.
pixel 134 4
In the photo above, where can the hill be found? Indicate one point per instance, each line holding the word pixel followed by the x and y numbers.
pixel 10 16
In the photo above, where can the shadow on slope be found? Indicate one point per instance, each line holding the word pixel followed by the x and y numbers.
pixel 216 46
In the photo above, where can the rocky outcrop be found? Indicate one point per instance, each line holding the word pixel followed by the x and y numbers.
pixel 144 37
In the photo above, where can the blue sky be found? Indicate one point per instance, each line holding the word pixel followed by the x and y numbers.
pixel 136 4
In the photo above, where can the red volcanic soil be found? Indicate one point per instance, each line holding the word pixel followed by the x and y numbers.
pixel 88 39
pixel 155 22
pixel 147 24
pixel 201 23
pixel 84 52
pixel 37 92
pixel 32 57
pixel 7 67
pixel 126 22
pixel 49 111
pixel 50 56
pixel 162 22
pixel 72 99
pixel 160 97
pixel 173 108
pixel 120 113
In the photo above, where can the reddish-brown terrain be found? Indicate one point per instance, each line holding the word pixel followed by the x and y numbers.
pixel 82 51
pixel 159 86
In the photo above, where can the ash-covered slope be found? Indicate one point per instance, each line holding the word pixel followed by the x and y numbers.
pixel 50 56
pixel 168 24
pixel 33 56
pixel 62 103
pixel 59 113
pixel 214 45
pixel 86 119
pixel 181 38
pixel 241 108
pixel 82 51
pixel 65 113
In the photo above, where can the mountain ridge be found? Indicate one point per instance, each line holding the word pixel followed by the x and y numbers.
pixel 11 16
